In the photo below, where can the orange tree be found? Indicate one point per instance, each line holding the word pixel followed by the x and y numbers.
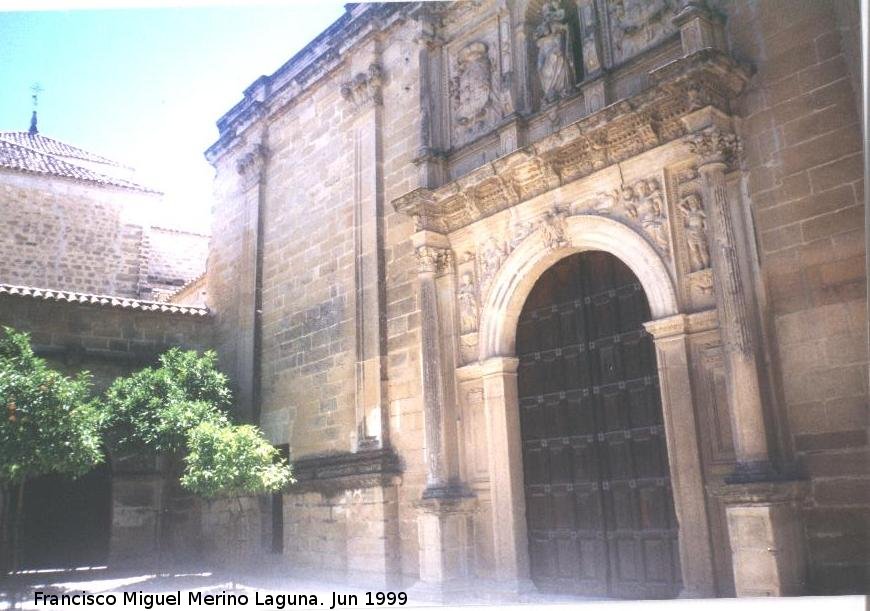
pixel 50 425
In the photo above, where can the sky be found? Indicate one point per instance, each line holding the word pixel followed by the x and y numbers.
pixel 145 86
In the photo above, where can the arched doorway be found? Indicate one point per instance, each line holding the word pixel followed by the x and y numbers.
pixel 599 505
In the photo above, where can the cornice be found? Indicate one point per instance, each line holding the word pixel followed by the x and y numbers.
pixel 615 133
pixel 266 95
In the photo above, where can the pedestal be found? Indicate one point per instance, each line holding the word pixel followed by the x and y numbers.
pixel 444 529
pixel 765 532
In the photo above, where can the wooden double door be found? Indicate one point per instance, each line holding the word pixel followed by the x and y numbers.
pixel 598 495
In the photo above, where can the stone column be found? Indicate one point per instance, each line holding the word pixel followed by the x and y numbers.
pixel 443 519
pixel 510 536
pixel 684 449
pixel 716 148
pixel 760 505
pixel 363 96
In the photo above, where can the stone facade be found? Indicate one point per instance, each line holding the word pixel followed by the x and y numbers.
pixel 387 199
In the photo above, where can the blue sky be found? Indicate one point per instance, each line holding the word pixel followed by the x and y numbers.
pixel 145 86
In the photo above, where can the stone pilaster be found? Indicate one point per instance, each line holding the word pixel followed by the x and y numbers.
pixel 761 505
pixel 434 258
pixel 430 160
pixel 510 535
pixel 363 96
pixel 444 511
pixel 251 169
pixel 716 149
pixel 687 478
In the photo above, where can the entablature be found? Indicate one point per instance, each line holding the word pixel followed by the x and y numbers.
pixel 705 78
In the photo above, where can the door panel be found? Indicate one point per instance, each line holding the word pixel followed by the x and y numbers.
pixel 598 496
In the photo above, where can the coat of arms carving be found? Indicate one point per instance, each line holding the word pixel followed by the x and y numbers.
pixel 471 91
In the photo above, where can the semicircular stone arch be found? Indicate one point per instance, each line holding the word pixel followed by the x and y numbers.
pixel 517 276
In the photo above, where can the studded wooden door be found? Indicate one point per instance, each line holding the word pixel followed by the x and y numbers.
pixel 598 497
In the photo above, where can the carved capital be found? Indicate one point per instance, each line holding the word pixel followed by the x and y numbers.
pixel 432 260
pixel 715 146
pixel 250 164
pixel 364 89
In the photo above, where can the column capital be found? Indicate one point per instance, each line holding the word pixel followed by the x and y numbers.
pixel 499 365
pixel 715 146
pixel 364 89
pixel 682 324
pixel 433 260
pixel 250 164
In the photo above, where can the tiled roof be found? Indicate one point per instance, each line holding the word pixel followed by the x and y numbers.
pixel 101 300
pixel 44 144
pixel 23 159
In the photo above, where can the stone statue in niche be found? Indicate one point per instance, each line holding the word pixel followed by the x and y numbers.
pixel 468 310
pixel 471 90
pixel 589 38
pixel 555 64
pixel 695 223
pixel 649 212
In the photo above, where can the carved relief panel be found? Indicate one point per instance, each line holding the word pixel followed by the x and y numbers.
pixel 714 419
pixel 641 204
pixel 637 25
pixel 692 250
pixel 468 301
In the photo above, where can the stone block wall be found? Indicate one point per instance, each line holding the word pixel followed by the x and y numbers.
pixel 65 235
pixel 802 144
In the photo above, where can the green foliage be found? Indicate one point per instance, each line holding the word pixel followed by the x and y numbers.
pixel 155 407
pixel 181 405
pixel 227 460
pixel 49 424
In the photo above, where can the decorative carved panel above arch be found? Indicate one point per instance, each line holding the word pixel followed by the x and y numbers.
pixel 614 134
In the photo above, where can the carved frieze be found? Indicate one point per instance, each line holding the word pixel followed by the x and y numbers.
pixel 613 134
pixel 365 88
pixel 555 61
pixel 637 25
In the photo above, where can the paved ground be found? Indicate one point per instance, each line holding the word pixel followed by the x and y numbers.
pixel 261 583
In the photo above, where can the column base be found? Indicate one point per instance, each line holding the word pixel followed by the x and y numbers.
pixel 444 528
pixel 766 538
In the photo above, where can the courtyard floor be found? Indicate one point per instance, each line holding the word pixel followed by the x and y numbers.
pixel 18 592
